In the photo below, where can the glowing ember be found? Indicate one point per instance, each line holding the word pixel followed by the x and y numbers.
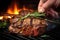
pixel 5 17
pixel 1 17
pixel 9 16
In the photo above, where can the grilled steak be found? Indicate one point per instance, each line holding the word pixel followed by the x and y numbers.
pixel 27 27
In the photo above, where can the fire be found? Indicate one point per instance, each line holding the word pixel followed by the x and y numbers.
pixel 14 10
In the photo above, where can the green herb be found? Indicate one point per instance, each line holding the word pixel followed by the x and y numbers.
pixel 3 24
pixel 34 14
pixel 45 35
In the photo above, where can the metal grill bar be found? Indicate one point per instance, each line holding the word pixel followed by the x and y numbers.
pixel 9 36
pixel 21 37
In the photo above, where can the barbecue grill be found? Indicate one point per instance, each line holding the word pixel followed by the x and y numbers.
pixel 52 33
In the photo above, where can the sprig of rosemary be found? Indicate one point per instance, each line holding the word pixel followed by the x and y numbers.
pixel 34 14
pixel 38 15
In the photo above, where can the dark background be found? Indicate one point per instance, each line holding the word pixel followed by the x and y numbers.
pixel 33 4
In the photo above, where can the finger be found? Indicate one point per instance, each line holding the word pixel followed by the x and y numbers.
pixel 40 9
pixel 41 2
pixel 48 3
pixel 57 3
pixel 52 13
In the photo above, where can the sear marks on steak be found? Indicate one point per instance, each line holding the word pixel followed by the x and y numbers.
pixel 28 26
pixel 26 21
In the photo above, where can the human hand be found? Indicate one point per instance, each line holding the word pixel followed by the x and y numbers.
pixel 45 5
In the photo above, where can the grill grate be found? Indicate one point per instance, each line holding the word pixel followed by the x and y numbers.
pixel 5 35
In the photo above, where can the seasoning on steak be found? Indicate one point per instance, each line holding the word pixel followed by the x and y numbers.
pixel 28 26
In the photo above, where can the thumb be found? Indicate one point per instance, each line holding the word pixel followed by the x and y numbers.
pixel 41 2
pixel 40 9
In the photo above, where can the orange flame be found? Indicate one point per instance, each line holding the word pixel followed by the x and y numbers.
pixel 14 10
